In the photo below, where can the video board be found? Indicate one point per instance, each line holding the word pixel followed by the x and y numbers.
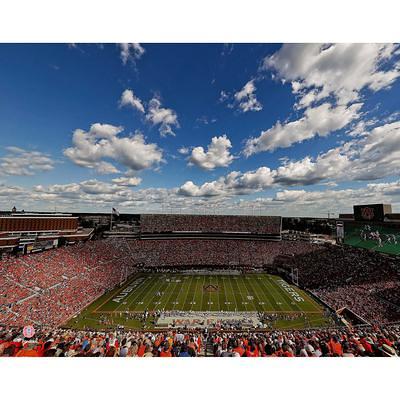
pixel 371 212
pixel 380 237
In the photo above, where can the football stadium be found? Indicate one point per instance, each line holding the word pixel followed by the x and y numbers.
pixel 177 182
pixel 169 285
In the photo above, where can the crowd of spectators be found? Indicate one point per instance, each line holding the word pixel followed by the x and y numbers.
pixel 213 253
pixel 339 342
pixel 160 223
pixel 50 287
pixel 362 300
pixel 391 293
pixel 381 341
pixel 365 282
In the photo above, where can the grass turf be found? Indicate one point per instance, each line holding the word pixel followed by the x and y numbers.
pixel 249 293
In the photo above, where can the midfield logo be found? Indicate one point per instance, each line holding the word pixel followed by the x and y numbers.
pixel 210 288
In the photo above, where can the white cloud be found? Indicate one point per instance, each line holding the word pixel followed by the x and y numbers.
pixel 127 181
pixel 24 162
pixel 376 154
pixel 102 142
pixel 317 71
pixel 246 98
pixel 320 120
pixel 340 198
pixel 130 52
pixel 319 203
pixel 128 99
pixel 360 127
pixel 105 131
pixel 183 150
pixel 204 120
pixel 166 118
pixel 217 154
pixel 223 96
pixel 373 155
pixel 10 191
pixel 232 184
pixel 220 196
pixel 94 194
pixel 309 171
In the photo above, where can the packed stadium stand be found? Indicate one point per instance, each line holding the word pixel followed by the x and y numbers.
pixel 341 342
pixel 159 223
pixel 212 253
pixel 48 288
pixel 159 226
pixel 364 281
pixel 54 285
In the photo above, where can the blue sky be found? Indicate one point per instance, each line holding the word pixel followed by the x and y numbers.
pixel 235 128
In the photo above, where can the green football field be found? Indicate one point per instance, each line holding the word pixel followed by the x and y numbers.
pixel 183 292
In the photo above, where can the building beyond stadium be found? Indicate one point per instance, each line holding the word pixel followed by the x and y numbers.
pixel 32 232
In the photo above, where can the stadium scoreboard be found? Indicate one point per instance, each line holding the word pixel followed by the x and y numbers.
pixel 371 228
pixel 371 212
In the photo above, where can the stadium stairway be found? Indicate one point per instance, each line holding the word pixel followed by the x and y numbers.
pixel 208 350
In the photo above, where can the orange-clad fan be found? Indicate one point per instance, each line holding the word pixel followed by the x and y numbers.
pixel 365 341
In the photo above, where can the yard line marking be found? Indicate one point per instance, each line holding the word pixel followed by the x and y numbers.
pixel 210 294
pixel 117 292
pixel 170 295
pixel 165 293
pixel 179 291
pixel 295 307
pixel 141 294
pixel 233 294
pixel 279 293
pixel 255 293
pixel 239 293
pixel 239 284
pixel 275 306
pixel 194 292
pixel 288 300
pixel 265 294
pixel 202 293
pixel 222 287
pixel 218 292
pixel 152 293
pixel 188 290
pixel 134 293
pixel 229 294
